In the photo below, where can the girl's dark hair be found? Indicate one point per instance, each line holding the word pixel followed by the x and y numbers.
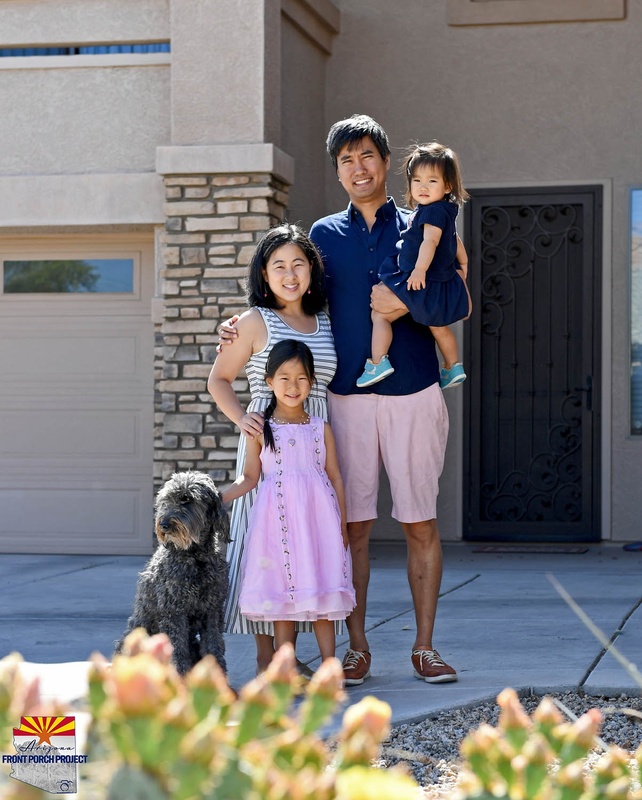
pixel 285 350
pixel 257 290
pixel 351 131
pixel 435 155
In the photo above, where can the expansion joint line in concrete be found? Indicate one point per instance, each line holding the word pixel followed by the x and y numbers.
pixel 83 568
pixel 407 610
pixel 614 636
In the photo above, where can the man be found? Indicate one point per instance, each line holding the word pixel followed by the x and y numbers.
pixel 401 421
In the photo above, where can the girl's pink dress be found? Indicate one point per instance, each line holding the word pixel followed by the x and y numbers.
pixel 295 566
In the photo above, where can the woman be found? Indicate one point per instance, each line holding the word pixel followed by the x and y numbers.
pixel 286 295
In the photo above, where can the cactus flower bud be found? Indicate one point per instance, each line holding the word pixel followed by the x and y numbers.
pixel 322 695
pixel 482 740
pixel 178 713
pixel 613 764
pixel 579 737
pixel 572 781
pixel 133 642
pixel 138 685
pixel 547 713
pixel 537 750
pixel 512 714
pixel 282 668
pixel 327 681
pixel 258 692
pixel 207 674
pixel 618 789
pixel 365 725
pixel 159 647
pixel 538 756
pixel 369 715
pixel 19 695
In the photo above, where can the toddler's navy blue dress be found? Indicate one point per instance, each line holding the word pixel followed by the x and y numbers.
pixel 445 298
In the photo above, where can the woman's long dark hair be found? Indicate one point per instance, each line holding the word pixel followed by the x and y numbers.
pixel 285 350
pixel 257 290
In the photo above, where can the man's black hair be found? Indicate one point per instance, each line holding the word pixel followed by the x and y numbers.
pixel 352 130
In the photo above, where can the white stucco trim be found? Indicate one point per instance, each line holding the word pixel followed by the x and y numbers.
pixel 456 410
pixel 76 62
pixel 72 200
pixel 225 159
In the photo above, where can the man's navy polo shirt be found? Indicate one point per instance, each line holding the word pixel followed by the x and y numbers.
pixel 352 256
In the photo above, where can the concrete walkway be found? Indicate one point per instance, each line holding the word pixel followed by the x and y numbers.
pixel 500 623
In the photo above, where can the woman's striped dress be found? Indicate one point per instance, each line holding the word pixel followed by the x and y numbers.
pixel 321 344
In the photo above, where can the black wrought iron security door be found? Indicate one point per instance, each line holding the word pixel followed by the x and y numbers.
pixel 532 401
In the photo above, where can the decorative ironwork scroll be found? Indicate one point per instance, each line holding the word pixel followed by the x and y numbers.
pixel 532 383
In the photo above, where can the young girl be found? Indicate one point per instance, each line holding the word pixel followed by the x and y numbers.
pixel 296 565
pixel 286 294
pixel 429 273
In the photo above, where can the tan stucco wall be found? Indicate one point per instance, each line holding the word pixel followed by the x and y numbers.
pixel 79 146
pixel 303 122
pixel 75 114
pixel 75 202
pixel 223 54
pixel 59 22
pixel 115 116
pixel 521 104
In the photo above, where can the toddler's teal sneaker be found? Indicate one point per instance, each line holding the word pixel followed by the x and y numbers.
pixel 373 373
pixel 453 376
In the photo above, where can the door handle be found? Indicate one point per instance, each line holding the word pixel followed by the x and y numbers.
pixel 589 392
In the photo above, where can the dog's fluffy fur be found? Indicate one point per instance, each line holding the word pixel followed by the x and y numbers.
pixel 183 589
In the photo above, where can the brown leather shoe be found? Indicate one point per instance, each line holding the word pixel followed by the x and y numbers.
pixel 430 667
pixel 356 667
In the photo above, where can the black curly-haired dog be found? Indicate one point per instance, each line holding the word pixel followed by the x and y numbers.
pixel 183 589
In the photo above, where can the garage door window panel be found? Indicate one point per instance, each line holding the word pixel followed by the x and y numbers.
pixel 69 276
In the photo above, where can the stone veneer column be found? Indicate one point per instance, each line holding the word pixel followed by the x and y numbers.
pixel 213 222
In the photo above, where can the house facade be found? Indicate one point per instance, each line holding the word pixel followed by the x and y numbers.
pixel 148 144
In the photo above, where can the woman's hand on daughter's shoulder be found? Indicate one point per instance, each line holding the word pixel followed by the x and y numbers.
pixel 251 424
pixel 227 332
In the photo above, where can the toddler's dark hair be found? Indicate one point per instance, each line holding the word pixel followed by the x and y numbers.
pixel 435 155
pixel 259 293
pixel 285 350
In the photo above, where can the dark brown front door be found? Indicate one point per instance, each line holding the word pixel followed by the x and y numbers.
pixel 532 400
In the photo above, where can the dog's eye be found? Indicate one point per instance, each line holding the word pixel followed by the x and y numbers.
pixel 185 499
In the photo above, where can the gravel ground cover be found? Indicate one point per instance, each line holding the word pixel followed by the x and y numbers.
pixel 430 748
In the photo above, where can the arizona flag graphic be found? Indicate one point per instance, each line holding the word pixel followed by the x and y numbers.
pixel 58 732
pixel 46 753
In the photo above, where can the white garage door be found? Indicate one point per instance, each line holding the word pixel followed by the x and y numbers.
pixel 76 395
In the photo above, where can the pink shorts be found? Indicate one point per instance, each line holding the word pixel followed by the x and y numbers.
pixel 408 434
